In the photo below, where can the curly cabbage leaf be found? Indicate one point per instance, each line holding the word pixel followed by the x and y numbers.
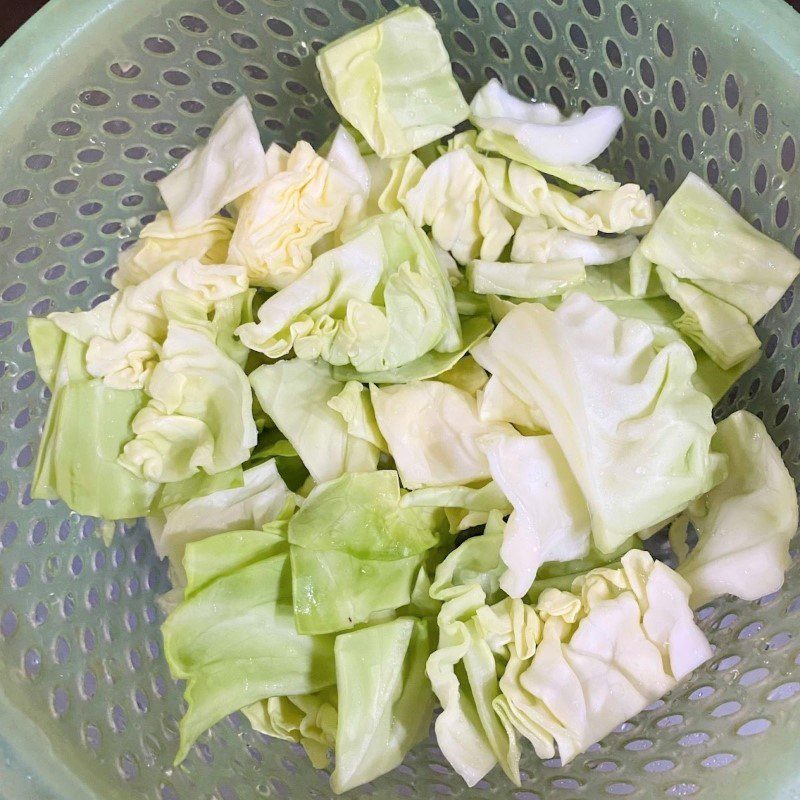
pixel 378 302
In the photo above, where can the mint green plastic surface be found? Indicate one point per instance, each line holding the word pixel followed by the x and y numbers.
pixel 97 99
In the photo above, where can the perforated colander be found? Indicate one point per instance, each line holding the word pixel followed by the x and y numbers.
pixel 98 99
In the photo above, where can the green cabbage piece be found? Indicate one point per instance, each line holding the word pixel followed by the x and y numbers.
pixel 524 190
pixel 302 199
pixel 356 551
pixel 535 240
pixel 454 199
pixel 550 520
pixel 392 81
pixel 233 640
pixel 261 498
pixel 297 394
pixel 719 328
pixel 581 176
pixel 634 431
pixel 698 237
pixel 432 365
pixel 744 525
pixel 377 302
pixel 525 280
pixel 385 698
pixel 87 425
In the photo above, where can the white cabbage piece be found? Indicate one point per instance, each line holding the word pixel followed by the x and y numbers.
pixel 302 399
pixel 536 240
pixel 620 640
pixel 432 431
pixel 392 81
pixel 161 243
pixel 634 431
pixel 377 302
pixel 124 333
pixel 230 163
pixel 497 403
pixel 454 199
pixel 700 238
pixel 525 280
pixel 262 498
pixel 284 216
pixel 550 521
pixel 200 412
pixel 524 189
pixel 540 128
pixel 744 524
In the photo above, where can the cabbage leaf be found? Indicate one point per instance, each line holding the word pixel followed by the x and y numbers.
pixel 634 431
pixel 377 302
pixel 392 81
pixel 230 163
pixel 744 524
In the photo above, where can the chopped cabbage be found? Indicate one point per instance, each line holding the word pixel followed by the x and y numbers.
pixel 432 431
pixel 230 163
pixel 377 302
pixel 525 280
pixel 634 431
pixel 698 237
pixel 392 81
pixel 745 524
pixel 541 130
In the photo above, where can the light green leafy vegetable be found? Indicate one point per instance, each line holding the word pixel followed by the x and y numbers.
pixel 634 431
pixel 230 163
pixel 525 280
pixel 234 640
pixel 200 412
pixel 535 240
pixel 745 523
pixel 296 395
pixel 87 425
pixel 385 699
pixel 125 333
pixel 698 237
pixel 377 302
pixel 541 131
pixel 431 365
pixel 161 243
pixel 497 403
pixel 580 682
pixel 262 498
pixel 307 719
pixel 523 189
pixel 581 177
pixel 454 199
pixel 550 521
pixel 355 550
pixel 719 328
pixel 302 199
pixel 466 374
pixel 392 81
pixel 432 431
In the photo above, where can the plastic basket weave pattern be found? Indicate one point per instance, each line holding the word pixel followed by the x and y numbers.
pixel 98 98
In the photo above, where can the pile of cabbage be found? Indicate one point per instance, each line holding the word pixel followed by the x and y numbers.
pixel 402 411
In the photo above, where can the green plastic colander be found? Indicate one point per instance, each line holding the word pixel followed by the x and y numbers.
pixel 98 99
